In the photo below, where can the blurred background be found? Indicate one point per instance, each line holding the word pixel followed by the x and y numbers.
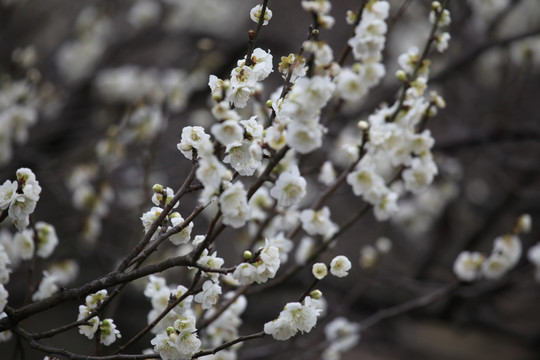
pixel 81 71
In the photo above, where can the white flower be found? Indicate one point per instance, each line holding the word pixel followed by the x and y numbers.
pixel 158 197
pixel 245 273
pixel 342 333
pixel 234 206
pixel 20 210
pixel 94 300
pixel 24 243
pixel 442 41
pixel 495 266
pixel 340 266
pixel 268 263
pixel 280 329
pixel 245 157
pixel 387 206
pixel 318 222
pixel 46 239
pixel 8 193
pixel 4 262
pixel 209 294
pixel 319 270
pixel 350 85
pixel 144 13
pixel 467 265
pixel 47 287
pixel 289 188
pixel 108 332
pixel 534 255
pixel 304 137
pixel 508 246
pixel 150 216
pixel 166 346
pixel 228 132
pixel 194 138
pixel 301 317
pixel 368 256
pixel 420 174
pixel 87 330
pixel 211 172
pixel 255 14
pixel 383 245
pixel 183 236
pixel 327 173
pixel 261 63
pixel 365 181
pixel 304 250
pixel 283 244
pixel 3 297
pixel 188 343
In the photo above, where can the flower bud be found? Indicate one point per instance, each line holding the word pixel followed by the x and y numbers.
pixel 157 188
pixel 269 104
pixel 401 75
pixel 247 255
pixel 316 294
pixel 363 125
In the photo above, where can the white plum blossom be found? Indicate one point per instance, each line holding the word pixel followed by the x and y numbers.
pixel 228 132
pixel 93 323
pixel 340 266
pixel 294 317
pixel 245 157
pixel 3 297
pixel 342 334
pixel 467 265
pixel 263 268
pixel 261 63
pixel 256 12
pixel 319 270
pixel 46 239
pixel 24 243
pixel 183 236
pixel 47 287
pixel 150 216
pixel 108 332
pixel 318 222
pixel 209 294
pixel 8 193
pixel 327 173
pixel 234 206
pixel 289 188
pixel 280 329
pixel 194 138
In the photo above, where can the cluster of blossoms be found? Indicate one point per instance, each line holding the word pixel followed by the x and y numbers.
pixel 507 250
pixel 341 335
pixel 397 144
pixel 108 333
pixel 339 267
pixel 130 84
pixel 354 82
pixel 18 112
pixel 294 317
pixel 261 268
pixel 94 200
pixel 162 196
pixel 19 198
pixel 322 9
pixel 77 58
pixel 370 254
